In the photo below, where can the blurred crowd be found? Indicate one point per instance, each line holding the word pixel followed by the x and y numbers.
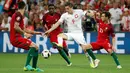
pixel 36 9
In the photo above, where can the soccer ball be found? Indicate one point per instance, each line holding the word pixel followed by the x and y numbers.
pixel 46 54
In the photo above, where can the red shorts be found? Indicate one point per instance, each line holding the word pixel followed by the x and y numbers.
pixel 100 45
pixel 21 42
pixel 54 38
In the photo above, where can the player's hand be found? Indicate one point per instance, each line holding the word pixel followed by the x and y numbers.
pixel 113 48
pixel 40 33
pixel 47 33
pixel 28 36
pixel 6 29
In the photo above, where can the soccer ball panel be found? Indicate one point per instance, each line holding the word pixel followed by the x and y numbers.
pixel 46 54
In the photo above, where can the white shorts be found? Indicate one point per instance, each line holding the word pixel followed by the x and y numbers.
pixel 78 37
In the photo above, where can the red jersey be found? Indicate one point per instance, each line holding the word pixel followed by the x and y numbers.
pixel 104 31
pixel 16 17
pixel 49 20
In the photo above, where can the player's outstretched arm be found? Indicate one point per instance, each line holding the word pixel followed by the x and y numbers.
pixel 54 26
pixel 5 29
pixel 18 29
pixel 31 32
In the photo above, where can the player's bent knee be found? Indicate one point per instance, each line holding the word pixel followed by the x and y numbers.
pixel 63 36
pixel 34 45
pixel 87 46
pixel 110 51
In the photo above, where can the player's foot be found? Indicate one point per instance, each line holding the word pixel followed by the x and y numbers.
pixel 91 62
pixel 119 67
pixel 96 62
pixel 38 70
pixel 92 65
pixel 28 68
pixel 69 64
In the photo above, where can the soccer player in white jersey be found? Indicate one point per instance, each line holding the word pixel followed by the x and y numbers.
pixel 73 19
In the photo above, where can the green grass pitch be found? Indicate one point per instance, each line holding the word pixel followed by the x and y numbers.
pixel 13 63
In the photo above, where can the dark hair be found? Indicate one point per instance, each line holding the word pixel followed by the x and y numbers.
pixel 69 4
pixel 21 5
pixel 51 5
pixel 107 14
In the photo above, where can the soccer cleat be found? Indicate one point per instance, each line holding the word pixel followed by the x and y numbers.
pixel 119 67
pixel 92 64
pixel 90 60
pixel 96 62
pixel 69 64
pixel 28 68
pixel 38 70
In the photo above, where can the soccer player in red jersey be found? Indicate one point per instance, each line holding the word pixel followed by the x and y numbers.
pixel 49 19
pixel 16 32
pixel 105 30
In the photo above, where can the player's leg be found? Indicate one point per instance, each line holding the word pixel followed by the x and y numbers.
pixel 91 56
pixel 58 42
pixel 89 48
pixel 61 52
pixel 90 60
pixel 28 60
pixel 35 48
pixel 66 50
pixel 25 44
pixel 61 38
pixel 79 38
pixel 32 53
pixel 116 59
pixel 108 48
pixel 54 40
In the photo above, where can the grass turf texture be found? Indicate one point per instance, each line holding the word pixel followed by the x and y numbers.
pixel 13 63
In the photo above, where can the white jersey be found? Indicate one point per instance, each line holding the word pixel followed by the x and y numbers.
pixel 73 21
pixel 115 15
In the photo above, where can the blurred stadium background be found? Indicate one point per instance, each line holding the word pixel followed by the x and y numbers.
pixel 12 58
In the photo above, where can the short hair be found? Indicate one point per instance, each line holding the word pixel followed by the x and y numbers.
pixel 21 5
pixel 107 14
pixel 51 5
pixel 69 4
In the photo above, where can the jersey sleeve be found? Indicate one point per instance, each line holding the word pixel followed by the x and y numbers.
pixel 62 18
pixel 83 13
pixel 18 17
pixel 112 31
pixel 44 20
pixel 120 12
